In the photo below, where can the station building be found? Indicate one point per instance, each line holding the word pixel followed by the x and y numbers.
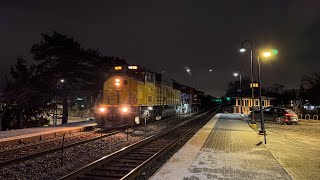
pixel 247 104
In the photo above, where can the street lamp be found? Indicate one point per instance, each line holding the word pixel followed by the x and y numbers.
pixel 236 74
pixel 265 54
pixel 242 50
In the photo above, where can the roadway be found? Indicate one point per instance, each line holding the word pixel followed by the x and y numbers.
pixel 296 147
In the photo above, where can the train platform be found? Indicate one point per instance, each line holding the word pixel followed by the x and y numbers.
pixel 225 148
pixel 19 136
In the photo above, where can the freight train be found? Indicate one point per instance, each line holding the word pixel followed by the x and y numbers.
pixel 134 94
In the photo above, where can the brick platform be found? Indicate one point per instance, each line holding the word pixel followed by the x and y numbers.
pixel 226 148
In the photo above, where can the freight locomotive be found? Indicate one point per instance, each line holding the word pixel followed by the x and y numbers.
pixel 134 94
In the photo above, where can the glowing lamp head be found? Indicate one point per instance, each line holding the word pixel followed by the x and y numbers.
pixel 102 109
pixel 242 50
pixel 124 109
pixel 235 74
pixel 266 54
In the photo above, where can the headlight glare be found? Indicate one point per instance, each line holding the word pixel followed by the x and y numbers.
pixel 124 109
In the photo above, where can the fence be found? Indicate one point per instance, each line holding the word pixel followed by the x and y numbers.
pixel 308 117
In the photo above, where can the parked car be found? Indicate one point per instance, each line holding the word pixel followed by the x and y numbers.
pixel 277 114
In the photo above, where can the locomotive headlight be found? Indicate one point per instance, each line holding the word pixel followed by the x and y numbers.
pixel 117 82
pixel 124 109
pixel 102 109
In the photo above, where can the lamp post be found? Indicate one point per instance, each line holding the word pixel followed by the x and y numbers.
pixel 64 102
pixel 263 130
pixel 242 50
pixel 236 74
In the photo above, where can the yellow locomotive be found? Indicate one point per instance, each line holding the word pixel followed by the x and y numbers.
pixel 133 94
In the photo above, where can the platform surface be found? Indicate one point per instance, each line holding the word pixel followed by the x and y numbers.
pixel 14 136
pixel 225 148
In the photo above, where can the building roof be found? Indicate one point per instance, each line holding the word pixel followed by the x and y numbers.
pixel 308 104
pixel 263 98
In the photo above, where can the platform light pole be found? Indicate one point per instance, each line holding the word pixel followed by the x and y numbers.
pixel 265 54
pixel 242 50
pixel 236 74
pixel 64 101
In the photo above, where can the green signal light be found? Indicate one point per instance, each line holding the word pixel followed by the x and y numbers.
pixel 274 51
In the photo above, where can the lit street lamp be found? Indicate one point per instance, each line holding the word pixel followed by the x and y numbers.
pixel 262 131
pixel 242 50
pixel 64 102
pixel 236 74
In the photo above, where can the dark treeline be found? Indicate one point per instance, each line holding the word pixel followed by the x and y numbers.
pixel 34 83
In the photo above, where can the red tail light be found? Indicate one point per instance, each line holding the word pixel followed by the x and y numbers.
pixel 289 115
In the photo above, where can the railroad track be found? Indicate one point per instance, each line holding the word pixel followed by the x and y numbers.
pixel 20 154
pixel 131 161
pixel 16 155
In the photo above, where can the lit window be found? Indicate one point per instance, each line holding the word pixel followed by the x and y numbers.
pixel 132 67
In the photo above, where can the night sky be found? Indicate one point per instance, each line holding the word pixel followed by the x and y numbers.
pixel 173 34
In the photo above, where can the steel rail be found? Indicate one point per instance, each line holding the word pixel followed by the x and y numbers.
pixel 123 151
pixel 138 170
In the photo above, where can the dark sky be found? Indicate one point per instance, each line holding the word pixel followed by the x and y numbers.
pixel 174 34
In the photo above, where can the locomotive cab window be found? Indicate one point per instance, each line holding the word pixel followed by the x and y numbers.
pixel 125 82
pixel 150 77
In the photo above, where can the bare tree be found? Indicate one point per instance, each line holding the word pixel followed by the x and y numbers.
pixel 297 105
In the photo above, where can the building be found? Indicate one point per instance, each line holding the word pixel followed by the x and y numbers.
pixel 247 104
pixel 308 106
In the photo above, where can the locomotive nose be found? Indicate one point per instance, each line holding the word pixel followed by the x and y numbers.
pixel 112 117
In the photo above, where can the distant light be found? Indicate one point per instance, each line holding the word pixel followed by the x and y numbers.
pixel 117 84
pixel 150 108
pixel 267 54
pixel 82 105
pixel 210 70
pixel 62 80
pixel 117 80
pixel 188 70
pixel 242 50
pixel 132 67
pixel 117 68
pixel 274 51
pixel 235 74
